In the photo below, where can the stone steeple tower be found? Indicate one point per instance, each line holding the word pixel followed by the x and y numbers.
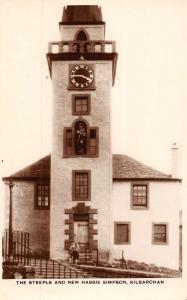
pixel 82 67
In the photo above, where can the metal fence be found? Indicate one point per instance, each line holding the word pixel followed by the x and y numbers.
pixel 88 256
pixel 16 251
pixel 15 247
pixel 55 269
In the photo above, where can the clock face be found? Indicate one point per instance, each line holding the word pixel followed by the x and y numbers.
pixel 82 76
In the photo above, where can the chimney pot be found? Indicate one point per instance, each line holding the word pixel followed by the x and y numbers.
pixel 175 161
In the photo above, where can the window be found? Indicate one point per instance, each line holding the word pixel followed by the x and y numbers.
pixel 121 233
pixel 93 142
pixel 81 36
pixel 42 195
pixel 81 39
pixel 81 105
pixel 160 233
pixel 81 185
pixel 81 140
pixel 68 141
pixel 139 195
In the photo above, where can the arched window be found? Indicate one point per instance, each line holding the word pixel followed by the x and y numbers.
pixel 81 140
pixel 81 35
pixel 81 40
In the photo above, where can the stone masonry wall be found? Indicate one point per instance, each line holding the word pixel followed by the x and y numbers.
pixel 61 168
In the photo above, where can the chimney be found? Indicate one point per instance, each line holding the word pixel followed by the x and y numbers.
pixel 175 163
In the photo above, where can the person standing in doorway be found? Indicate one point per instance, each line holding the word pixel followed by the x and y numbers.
pixel 74 252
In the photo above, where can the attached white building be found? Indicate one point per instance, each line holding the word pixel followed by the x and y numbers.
pixel 145 213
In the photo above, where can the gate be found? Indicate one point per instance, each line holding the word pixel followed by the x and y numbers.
pixel 15 247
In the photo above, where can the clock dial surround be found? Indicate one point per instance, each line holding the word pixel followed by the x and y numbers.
pixel 82 76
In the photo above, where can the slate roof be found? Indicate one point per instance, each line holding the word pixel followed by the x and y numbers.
pixel 39 169
pixel 124 168
pixel 83 14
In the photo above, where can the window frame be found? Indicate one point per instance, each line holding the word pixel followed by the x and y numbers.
pixel 116 242
pixel 65 154
pixel 42 207
pixel 74 198
pixel 97 142
pixel 139 207
pixel 74 113
pixel 153 233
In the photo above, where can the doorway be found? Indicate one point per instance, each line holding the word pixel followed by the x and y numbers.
pixel 81 233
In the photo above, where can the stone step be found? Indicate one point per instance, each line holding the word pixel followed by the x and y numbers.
pixel 49 275
pixel 82 261
pixel 51 271
pixel 56 271
pixel 85 259
pixel 57 277
pixel 50 267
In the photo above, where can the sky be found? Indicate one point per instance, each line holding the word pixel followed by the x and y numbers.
pixel 149 96
pixel 149 99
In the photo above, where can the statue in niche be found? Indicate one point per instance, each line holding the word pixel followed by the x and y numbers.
pixel 80 138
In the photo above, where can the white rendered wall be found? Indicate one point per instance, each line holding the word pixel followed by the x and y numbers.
pixel 95 32
pixel 164 206
pixel 25 216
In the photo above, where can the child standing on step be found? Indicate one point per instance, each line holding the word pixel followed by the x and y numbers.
pixel 74 252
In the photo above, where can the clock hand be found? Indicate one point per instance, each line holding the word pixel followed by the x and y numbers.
pixel 87 78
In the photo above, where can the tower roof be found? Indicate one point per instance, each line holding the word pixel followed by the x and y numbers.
pixel 82 14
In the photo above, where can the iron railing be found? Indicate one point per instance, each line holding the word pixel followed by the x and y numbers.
pixel 19 243
pixel 89 256
pixel 55 269
pixel 21 254
pixel 123 262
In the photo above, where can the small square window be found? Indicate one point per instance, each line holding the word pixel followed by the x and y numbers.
pixel 139 195
pixel 160 233
pixel 81 105
pixel 42 195
pixel 121 233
